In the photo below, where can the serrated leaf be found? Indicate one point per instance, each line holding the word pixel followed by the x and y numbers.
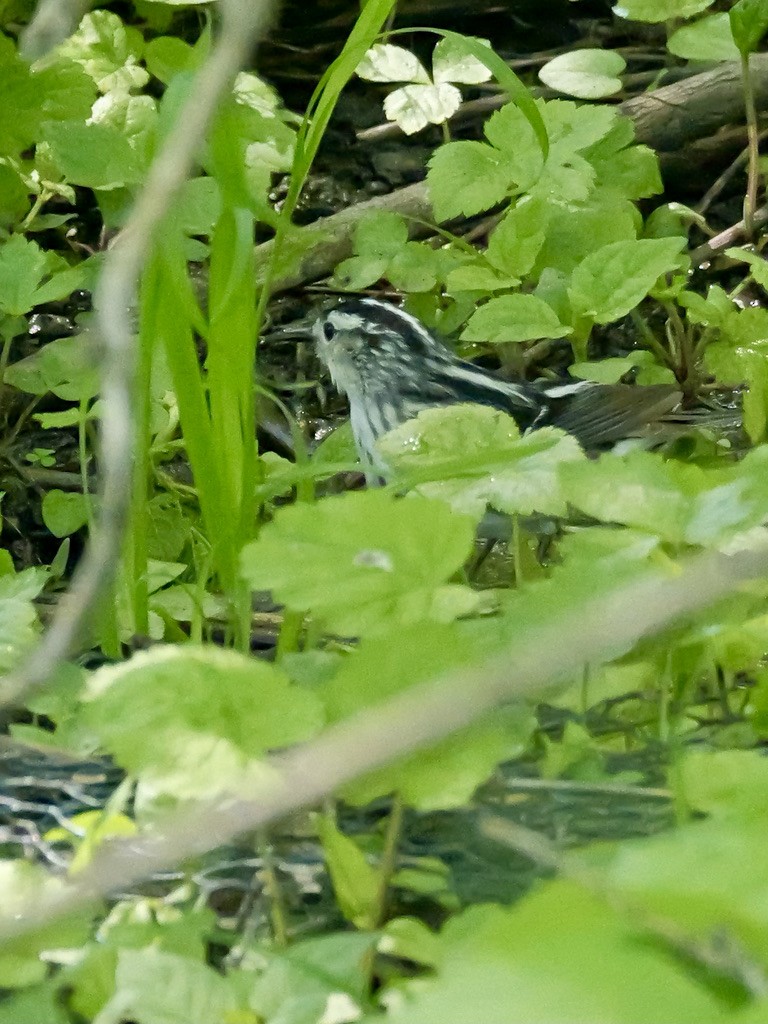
pixel 380 234
pixel 452 62
pixel 758 265
pixel 108 51
pixel 659 10
pixel 384 62
pixel 413 107
pixel 196 720
pixel 414 268
pixel 388 559
pixel 473 456
pixel 18 615
pixel 610 371
pixel 708 38
pixel 94 155
pixel 586 74
pixel 466 178
pixel 612 280
pixel 65 367
pixel 515 243
pixel 514 318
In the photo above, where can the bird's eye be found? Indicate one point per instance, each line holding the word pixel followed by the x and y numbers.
pixel 328 330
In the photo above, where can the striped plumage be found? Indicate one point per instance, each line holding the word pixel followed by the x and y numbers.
pixel 391 368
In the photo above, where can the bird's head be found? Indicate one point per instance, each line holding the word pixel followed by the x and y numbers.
pixel 371 347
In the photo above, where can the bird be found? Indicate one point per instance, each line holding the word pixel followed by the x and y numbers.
pixel 391 368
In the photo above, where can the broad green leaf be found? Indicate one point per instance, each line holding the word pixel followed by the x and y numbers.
pixel 722 889
pixel 466 178
pixel 14 196
pixel 380 234
pixel 22 268
pixel 414 268
pixel 316 979
pixel 108 51
pixel 514 318
pixel 443 775
pixel 94 155
pixel 385 62
pixel 134 117
pixel 28 97
pixel 727 784
pixel 749 21
pixel 572 234
pixel 515 243
pixel 453 62
pixel 472 456
pixel 168 529
pixel 64 512
pixel 196 720
pixel 34 1005
pixel 22 960
pixel 67 367
pixel 19 625
pixel 167 56
pixel 155 987
pixel 478 276
pixel 638 489
pixel 610 371
pixel 413 107
pixel 360 272
pixel 586 74
pixel 660 10
pixel 362 561
pixel 634 173
pixel 708 38
pixel 560 954
pixel 613 279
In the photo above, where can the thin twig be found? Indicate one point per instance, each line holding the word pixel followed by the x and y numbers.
pixel 242 22
pixel 608 624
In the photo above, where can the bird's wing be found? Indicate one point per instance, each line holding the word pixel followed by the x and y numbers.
pixel 602 414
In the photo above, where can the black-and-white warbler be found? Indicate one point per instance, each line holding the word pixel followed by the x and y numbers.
pixel 391 368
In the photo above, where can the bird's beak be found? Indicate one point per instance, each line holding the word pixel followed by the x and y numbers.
pixel 300 329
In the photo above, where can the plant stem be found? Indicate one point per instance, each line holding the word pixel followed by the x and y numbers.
pixel 389 858
pixel 750 199
pixel 273 890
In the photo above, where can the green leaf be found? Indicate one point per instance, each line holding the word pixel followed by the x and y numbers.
pixel 447 773
pixel 66 367
pixel 196 720
pixel 472 456
pixel 572 234
pixel 560 954
pixel 388 559
pixel 613 279
pixel 659 10
pixel 156 987
pixel 384 62
pixel 514 318
pixel 726 783
pixel 356 884
pixel 413 107
pixel 610 371
pixel 466 178
pixel 312 979
pixel 749 21
pixel 515 243
pixel 414 268
pixel 586 74
pixel 452 61
pixel 18 616
pixel 708 38
pixel 108 51
pixel 634 173
pixel 167 56
pixel 758 265
pixel 64 512
pixel 380 235
pixel 14 196
pixel 22 960
pixel 94 155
